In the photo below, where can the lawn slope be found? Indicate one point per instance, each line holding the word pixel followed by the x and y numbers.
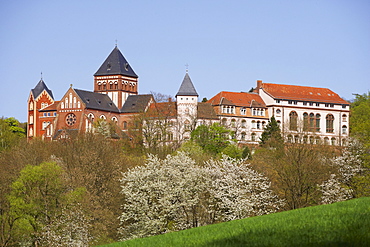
pixel 340 224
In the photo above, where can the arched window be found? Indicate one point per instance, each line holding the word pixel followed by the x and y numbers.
pixel 253 124
pixel 329 123
pixel 326 141
pixel 258 124
pixel 293 120
pixel 233 123
pixel 317 128
pixel 66 100
pixel 124 125
pixel 62 105
pixel 102 117
pixel 243 136
pixel 296 139
pixel 305 139
pixel 31 132
pixel 224 121
pixel 114 120
pixel 253 137
pixel 290 138
pixel 312 140
pixel 78 104
pixel 317 140
pixel 344 118
pixel 305 121
pixel 344 130
pixel 74 102
pixel 31 105
pixel 254 112
pixel 312 122
pixel 333 141
pixel 244 123
pixel 31 119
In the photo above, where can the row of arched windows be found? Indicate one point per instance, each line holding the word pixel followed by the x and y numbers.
pixel 70 102
pixel 313 140
pixel 311 122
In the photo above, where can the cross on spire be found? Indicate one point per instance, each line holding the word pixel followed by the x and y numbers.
pixel 187 68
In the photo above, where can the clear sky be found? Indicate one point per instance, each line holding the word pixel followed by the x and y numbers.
pixel 228 45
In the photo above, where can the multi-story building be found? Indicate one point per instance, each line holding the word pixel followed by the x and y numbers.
pixel 305 114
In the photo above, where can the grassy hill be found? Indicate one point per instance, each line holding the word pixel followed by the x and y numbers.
pixel 340 224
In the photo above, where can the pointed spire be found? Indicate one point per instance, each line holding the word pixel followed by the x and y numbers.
pixel 187 88
pixel 116 64
pixel 41 86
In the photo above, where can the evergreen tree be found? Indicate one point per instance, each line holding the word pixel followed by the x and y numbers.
pixel 271 136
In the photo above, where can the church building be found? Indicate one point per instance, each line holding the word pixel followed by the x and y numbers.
pixel 305 114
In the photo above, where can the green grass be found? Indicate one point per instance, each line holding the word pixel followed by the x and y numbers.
pixel 340 224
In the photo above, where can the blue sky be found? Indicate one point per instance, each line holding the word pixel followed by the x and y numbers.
pixel 228 45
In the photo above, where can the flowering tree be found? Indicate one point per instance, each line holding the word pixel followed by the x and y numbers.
pixel 176 194
pixel 240 191
pixel 348 165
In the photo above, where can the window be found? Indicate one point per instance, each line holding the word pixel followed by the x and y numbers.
pixel 305 139
pixel 344 142
pixel 317 140
pixel 305 121
pixel 243 136
pixel 293 120
pixel 312 121
pixel 290 138
pixel 329 123
pixel 233 121
pixel 290 102
pixel 224 121
pixel 243 111
pixel 317 104
pixel 317 128
pixel 326 141
pixel 312 140
pixel 258 124
pixel 253 137
pixel 103 117
pixel 344 118
pixel 296 139
pixel 31 106
pixel 71 119
pixel 295 102
pixel 333 141
pixel 114 120
pixel 170 136
pixel 124 125
pixel 31 119
pixel 311 103
pixel 326 105
pixel 344 130
pixel 344 106
pixel 331 105
pixel 253 124
pixel 254 112
pixel 264 124
pixel 244 123
pixel 277 101
pixel 278 111
pixel 304 103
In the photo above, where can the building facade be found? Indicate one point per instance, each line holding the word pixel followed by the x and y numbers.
pixel 305 114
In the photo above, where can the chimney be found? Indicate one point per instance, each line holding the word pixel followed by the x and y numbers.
pixel 259 85
pixel 169 99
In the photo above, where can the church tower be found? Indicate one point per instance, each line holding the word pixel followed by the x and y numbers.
pixel 40 97
pixel 116 78
pixel 187 98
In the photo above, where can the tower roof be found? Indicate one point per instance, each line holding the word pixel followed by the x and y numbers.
pixel 116 64
pixel 41 86
pixel 187 88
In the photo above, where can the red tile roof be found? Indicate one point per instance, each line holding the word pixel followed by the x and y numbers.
pixel 302 93
pixel 237 99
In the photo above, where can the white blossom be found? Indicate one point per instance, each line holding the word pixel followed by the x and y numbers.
pixel 176 194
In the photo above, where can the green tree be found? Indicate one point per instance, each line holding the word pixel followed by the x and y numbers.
pixel 212 139
pixel 10 132
pixel 36 197
pixel 360 129
pixel 271 136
